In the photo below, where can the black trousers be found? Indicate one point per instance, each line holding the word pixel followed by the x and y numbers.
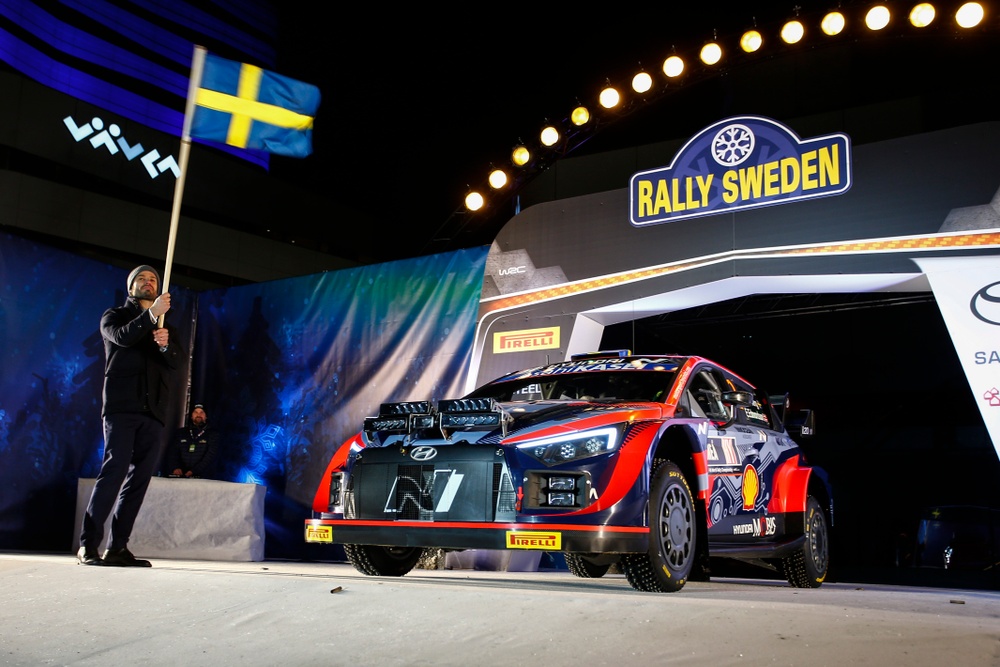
pixel 132 447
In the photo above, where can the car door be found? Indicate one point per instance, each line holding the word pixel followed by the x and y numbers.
pixel 742 456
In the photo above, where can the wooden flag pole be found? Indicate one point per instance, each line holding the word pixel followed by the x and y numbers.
pixel 197 67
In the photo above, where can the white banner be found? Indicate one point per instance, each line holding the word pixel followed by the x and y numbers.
pixel 967 291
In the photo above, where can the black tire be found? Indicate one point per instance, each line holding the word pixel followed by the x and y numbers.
pixel 382 561
pixel 584 568
pixel 673 535
pixel 807 567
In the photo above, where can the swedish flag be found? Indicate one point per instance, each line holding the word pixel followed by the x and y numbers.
pixel 248 107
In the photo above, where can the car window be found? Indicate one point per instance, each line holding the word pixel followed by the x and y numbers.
pixel 588 386
pixel 687 406
pixel 705 387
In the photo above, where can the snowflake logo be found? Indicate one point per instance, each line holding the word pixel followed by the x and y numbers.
pixel 733 144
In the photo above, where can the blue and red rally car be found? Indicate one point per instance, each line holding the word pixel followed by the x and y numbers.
pixel 656 463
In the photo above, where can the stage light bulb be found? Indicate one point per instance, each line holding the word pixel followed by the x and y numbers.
pixel 609 98
pixel 474 201
pixel 969 15
pixel 580 116
pixel 922 15
pixel 833 23
pixel 498 179
pixel 549 136
pixel 520 156
pixel 877 17
pixel 642 82
pixel 751 41
pixel 711 53
pixel 673 66
pixel 792 32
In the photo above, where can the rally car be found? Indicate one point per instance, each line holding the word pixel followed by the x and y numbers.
pixel 658 464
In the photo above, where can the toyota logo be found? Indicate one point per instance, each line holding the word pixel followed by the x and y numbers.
pixel 986 304
pixel 423 453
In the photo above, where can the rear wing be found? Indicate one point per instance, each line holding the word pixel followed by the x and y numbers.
pixel 800 423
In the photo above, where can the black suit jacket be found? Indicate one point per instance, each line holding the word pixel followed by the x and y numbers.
pixel 137 376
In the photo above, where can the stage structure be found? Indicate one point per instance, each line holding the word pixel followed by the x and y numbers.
pixel 749 207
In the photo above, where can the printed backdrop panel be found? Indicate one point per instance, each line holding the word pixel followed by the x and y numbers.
pixel 51 378
pixel 287 370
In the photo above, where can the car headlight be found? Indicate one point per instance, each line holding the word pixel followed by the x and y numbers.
pixel 572 447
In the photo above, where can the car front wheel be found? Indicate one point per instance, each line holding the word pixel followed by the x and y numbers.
pixel 666 565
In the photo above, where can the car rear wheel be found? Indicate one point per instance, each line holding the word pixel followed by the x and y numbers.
pixel 584 568
pixel 666 565
pixel 382 561
pixel 807 567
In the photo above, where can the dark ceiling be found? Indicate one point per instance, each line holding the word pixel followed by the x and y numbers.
pixel 414 116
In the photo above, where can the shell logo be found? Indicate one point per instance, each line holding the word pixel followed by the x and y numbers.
pixel 751 487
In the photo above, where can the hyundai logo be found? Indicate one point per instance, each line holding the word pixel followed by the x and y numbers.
pixel 423 453
pixel 986 304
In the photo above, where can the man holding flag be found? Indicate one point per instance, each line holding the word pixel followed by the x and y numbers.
pixel 228 102
pixel 141 359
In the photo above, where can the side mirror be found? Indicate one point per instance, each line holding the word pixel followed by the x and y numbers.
pixel 737 398
pixel 731 399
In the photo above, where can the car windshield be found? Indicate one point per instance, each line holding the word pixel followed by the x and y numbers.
pixel 630 385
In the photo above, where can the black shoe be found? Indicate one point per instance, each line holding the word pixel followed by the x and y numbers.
pixel 124 558
pixel 87 556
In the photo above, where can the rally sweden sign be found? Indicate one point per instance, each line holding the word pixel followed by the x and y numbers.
pixel 740 163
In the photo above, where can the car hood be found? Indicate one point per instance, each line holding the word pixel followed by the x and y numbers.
pixel 529 419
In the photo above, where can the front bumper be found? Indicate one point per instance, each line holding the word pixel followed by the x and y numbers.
pixel 468 535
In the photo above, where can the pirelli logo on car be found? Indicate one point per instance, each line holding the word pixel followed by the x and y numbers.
pixel 315 533
pixel 526 339
pixel 534 540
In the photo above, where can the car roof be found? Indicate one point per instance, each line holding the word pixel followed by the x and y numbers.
pixel 616 360
pixel 597 362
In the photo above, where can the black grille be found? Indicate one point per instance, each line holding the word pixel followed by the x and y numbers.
pixel 504 497
pixel 460 482
pixel 350 509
